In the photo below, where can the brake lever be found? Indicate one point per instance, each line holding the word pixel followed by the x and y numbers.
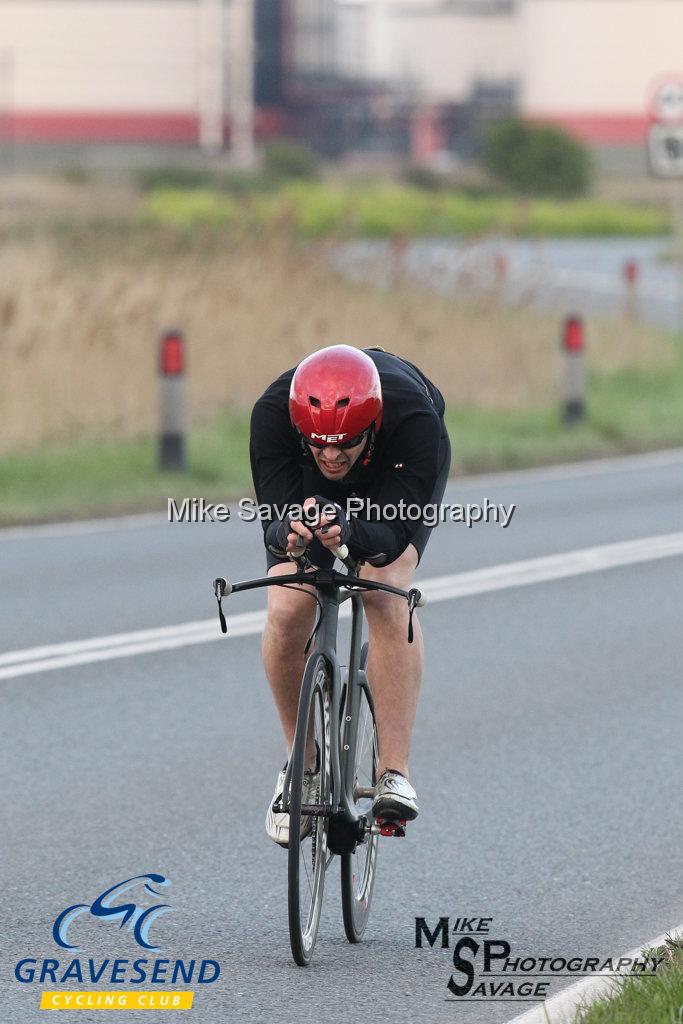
pixel 221 589
pixel 300 556
pixel 415 600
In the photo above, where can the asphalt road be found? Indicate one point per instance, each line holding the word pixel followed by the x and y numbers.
pixel 546 273
pixel 547 757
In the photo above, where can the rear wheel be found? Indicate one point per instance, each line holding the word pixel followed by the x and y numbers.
pixel 358 869
pixel 307 852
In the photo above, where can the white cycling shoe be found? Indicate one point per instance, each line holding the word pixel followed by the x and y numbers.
pixel 277 824
pixel 395 799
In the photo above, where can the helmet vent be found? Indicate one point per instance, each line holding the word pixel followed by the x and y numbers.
pixel 343 402
pixel 315 402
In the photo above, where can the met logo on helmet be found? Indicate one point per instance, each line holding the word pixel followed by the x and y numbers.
pixel 330 438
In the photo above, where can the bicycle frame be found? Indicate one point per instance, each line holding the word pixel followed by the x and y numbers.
pixel 344 820
pixel 333 589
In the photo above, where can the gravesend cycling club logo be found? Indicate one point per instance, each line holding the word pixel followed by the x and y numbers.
pixel 486 969
pixel 138 919
pixel 133 905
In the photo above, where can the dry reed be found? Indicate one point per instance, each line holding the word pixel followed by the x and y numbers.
pixel 81 313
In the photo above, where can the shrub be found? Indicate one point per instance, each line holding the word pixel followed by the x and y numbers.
pixel 388 210
pixel 188 210
pixel 285 159
pixel 316 210
pixel 426 178
pixel 245 183
pixel 174 176
pixel 537 159
pixel 77 174
pixel 459 214
pixel 594 218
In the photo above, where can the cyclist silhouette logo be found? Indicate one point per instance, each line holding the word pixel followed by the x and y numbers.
pixel 138 918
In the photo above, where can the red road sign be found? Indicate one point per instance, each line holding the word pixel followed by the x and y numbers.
pixel 666 103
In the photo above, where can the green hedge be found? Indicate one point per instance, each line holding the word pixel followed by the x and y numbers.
pixel 314 210
pixel 185 209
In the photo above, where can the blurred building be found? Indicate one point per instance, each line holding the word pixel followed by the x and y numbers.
pixel 587 65
pixel 130 70
pixel 418 76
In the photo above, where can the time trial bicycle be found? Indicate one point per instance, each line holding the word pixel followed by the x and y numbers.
pixel 336 713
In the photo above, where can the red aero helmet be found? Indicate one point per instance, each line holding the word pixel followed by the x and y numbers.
pixel 335 395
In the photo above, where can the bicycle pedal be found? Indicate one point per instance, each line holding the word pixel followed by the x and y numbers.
pixel 395 828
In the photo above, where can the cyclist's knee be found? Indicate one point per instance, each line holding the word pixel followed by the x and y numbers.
pixel 289 610
pixel 381 608
pixel 380 605
pixel 398 573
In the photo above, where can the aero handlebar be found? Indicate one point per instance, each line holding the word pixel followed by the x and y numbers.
pixel 319 578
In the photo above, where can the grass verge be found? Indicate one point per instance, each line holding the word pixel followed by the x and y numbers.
pixel 107 477
pixel 638 1000
pixel 631 410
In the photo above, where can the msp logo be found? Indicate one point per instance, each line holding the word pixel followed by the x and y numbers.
pixel 487 969
pixel 139 919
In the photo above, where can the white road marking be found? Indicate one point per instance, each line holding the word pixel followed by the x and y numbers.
pixel 105 525
pixel 537 474
pixel 34 660
pixel 662 458
pixel 601 282
pixel 561 1009
pixel 552 567
pixel 158 639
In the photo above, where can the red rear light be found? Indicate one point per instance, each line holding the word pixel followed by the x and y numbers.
pixel 573 340
pixel 172 354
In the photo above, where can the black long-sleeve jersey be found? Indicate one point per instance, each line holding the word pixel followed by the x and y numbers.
pixel 403 466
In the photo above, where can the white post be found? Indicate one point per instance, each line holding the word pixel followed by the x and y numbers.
pixel 211 76
pixel 172 406
pixel 676 205
pixel 241 77
pixel 7 104
pixel 573 345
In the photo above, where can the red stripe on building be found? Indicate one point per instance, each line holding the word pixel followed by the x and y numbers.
pixel 605 129
pixel 81 126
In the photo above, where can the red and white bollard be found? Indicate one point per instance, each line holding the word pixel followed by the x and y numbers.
pixel 500 273
pixel 399 254
pixel 500 266
pixel 172 402
pixel 574 348
pixel 631 275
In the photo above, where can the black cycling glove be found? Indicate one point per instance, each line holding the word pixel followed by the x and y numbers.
pixel 278 532
pixel 322 507
pixel 277 536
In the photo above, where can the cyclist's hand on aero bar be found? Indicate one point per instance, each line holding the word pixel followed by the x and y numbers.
pixel 298 536
pixel 330 529
pixel 333 528
pixel 290 536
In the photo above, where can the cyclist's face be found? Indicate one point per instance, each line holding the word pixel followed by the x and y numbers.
pixel 334 462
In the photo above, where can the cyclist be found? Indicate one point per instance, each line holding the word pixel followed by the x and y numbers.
pixel 349 423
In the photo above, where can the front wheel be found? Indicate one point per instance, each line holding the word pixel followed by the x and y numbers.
pixel 358 869
pixel 310 784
